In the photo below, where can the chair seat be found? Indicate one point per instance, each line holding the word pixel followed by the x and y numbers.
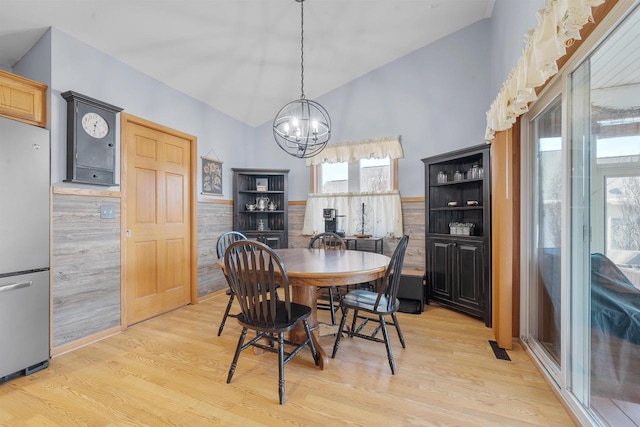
pixel 298 312
pixel 365 300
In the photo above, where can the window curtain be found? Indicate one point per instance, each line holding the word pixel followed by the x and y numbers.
pixel 559 25
pixel 356 150
pixel 382 213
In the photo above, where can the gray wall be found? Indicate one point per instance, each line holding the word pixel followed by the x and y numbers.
pixel 435 97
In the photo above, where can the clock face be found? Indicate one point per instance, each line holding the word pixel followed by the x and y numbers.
pixel 95 125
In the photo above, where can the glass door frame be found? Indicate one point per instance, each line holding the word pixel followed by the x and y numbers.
pixel 528 270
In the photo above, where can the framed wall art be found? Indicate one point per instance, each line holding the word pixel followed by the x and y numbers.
pixel 211 177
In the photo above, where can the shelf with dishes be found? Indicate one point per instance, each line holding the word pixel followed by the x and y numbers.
pixel 459 182
pixel 261 205
pixel 458 208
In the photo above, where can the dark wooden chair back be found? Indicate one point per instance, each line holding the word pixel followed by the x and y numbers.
pixel 391 280
pixel 226 239
pixel 255 271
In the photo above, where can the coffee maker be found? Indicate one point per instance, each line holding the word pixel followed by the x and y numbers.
pixel 333 223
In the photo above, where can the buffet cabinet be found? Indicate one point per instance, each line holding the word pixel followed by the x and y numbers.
pixel 458 230
pixel 261 205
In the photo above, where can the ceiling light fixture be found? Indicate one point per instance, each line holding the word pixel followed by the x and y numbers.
pixel 302 128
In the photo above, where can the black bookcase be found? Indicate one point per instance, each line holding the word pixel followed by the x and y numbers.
pixel 268 225
pixel 458 230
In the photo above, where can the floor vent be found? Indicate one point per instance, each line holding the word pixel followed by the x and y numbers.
pixel 500 353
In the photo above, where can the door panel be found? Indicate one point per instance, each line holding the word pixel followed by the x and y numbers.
pixel 440 269
pixel 469 291
pixel 158 212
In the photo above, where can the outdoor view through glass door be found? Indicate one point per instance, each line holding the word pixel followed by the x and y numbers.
pixel 605 231
pixel 546 242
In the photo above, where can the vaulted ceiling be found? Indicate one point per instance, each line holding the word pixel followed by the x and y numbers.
pixel 242 57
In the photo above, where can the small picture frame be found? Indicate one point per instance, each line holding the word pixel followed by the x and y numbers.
pixel 211 177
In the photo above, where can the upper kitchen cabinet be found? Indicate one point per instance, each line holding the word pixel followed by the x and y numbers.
pixel 22 99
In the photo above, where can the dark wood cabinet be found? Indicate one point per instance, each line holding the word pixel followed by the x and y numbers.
pixel 457 273
pixel 261 205
pixel 458 230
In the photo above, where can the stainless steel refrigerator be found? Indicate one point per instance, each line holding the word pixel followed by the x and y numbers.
pixel 24 248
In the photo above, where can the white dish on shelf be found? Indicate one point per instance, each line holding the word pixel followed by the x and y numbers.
pixel 452 204
pixel 472 203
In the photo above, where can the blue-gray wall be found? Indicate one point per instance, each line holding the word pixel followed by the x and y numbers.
pixel 436 98
pixel 510 21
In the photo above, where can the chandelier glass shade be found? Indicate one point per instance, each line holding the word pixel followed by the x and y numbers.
pixel 302 128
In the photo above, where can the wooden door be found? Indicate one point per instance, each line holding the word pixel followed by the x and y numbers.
pixel 158 222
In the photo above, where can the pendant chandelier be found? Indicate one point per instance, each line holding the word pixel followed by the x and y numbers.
pixel 302 128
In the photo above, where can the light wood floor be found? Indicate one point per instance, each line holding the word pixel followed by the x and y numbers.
pixel 172 370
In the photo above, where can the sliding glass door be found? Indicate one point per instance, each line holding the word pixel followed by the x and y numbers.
pixel 604 93
pixel 605 268
pixel 581 228
pixel 545 243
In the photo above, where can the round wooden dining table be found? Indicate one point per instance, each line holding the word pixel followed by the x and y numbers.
pixel 309 269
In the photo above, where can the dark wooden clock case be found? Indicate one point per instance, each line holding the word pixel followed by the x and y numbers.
pixel 90 160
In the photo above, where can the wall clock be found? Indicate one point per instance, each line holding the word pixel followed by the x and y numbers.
pixel 91 140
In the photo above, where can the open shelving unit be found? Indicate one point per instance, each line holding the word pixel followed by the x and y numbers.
pixel 249 185
pixel 459 265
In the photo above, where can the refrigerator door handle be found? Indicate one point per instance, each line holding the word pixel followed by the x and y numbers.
pixel 12 286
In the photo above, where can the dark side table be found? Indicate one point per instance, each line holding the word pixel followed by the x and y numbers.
pixel 376 241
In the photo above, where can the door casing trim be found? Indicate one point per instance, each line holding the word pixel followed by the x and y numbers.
pixel 125 121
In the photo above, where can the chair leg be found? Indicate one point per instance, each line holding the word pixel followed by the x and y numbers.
pixel 234 364
pixel 226 314
pixel 395 322
pixel 331 307
pixel 353 323
pixel 387 344
pixel 312 346
pixel 340 331
pixel 281 367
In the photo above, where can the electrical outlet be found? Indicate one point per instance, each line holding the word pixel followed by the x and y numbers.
pixel 107 212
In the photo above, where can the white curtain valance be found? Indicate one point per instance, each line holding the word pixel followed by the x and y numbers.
pixel 357 150
pixel 383 213
pixel 559 25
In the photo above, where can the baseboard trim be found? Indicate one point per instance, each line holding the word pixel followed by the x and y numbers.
pixel 74 345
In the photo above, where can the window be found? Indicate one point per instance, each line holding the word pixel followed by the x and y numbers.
pixel 361 176
pixel 363 190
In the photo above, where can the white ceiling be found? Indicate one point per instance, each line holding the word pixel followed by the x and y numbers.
pixel 242 57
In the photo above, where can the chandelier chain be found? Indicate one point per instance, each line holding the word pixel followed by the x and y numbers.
pixel 302 49
pixel 302 128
